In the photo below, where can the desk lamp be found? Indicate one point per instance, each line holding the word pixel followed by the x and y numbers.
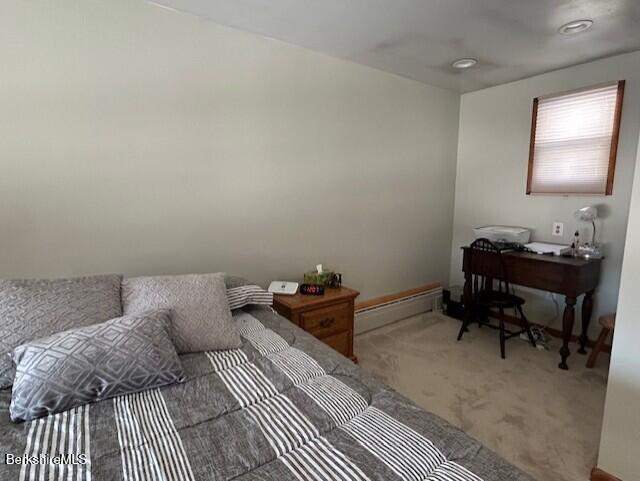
pixel 589 250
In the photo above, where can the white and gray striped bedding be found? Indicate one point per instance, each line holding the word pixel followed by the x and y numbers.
pixel 246 295
pixel 282 407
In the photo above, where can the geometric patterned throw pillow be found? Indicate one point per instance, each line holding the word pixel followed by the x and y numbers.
pixel 34 308
pixel 120 356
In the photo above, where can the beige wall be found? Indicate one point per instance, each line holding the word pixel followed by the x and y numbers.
pixel 492 169
pixel 143 141
pixel 620 441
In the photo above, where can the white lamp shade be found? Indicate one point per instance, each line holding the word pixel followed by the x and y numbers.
pixel 586 214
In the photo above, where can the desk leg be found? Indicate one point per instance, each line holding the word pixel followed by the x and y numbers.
pixel 587 309
pixel 567 329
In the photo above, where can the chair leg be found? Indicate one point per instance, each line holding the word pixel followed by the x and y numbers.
pixel 598 347
pixel 469 316
pixel 502 334
pixel 527 326
pixel 465 324
pixel 483 318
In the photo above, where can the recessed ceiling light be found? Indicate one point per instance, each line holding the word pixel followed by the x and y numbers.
pixel 576 26
pixel 463 63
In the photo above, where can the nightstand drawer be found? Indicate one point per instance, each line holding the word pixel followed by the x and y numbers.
pixel 327 321
pixel 328 317
pixel 340 342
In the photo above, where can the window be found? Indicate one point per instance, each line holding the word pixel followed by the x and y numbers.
pixel 574 139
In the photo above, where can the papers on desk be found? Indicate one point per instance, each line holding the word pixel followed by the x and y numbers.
pixel 548 248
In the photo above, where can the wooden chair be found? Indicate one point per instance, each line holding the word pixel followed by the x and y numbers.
pixel 484 297
pixel 608 322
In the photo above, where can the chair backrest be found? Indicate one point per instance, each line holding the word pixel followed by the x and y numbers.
pixel 487 265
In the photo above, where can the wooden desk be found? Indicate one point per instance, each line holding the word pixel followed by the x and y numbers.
pixel 568 276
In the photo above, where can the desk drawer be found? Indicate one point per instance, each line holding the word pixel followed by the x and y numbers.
pixel 327 321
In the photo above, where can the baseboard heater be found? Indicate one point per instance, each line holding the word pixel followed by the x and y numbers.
pixel 389 311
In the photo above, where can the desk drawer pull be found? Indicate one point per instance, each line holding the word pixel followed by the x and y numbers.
pixel 327 322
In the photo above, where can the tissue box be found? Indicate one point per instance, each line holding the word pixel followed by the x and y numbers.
pixel 322 278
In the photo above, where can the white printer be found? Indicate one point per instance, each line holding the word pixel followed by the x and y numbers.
pixel 503 234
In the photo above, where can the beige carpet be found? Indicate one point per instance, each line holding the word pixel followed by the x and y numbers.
pixel 543 420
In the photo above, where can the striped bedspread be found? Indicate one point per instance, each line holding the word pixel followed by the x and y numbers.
pixel 282 407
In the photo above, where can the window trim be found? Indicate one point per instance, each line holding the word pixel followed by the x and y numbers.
pixel 613 151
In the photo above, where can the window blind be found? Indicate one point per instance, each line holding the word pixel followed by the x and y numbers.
pixel 573 140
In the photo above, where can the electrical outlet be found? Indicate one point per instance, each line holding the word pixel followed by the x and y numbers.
pixel 558 229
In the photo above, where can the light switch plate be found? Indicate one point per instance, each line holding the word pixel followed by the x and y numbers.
pixel 558 229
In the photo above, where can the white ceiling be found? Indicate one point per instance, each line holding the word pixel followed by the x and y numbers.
pixel 419 39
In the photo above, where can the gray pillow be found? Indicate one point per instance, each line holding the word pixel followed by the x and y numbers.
pixel 35 308
pixel 234 281
pixel 121 356
pixel 200 310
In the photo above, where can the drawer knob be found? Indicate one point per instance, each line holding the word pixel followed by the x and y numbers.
pixel 327 322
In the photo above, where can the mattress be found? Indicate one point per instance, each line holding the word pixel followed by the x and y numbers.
pixel 282 407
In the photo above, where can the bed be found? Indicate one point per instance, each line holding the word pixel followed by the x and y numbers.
pixel 282 407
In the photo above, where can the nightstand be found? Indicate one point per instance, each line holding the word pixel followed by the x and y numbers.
pixel 328 317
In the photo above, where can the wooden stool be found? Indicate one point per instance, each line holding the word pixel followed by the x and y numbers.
pixel 608 322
